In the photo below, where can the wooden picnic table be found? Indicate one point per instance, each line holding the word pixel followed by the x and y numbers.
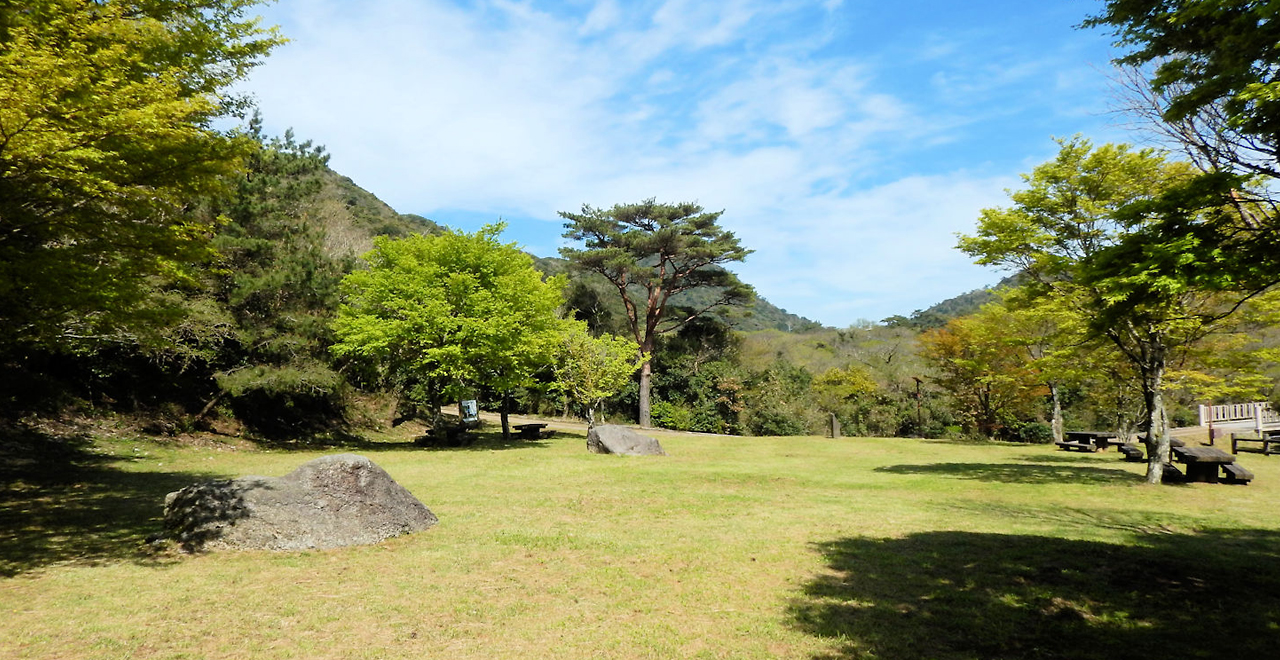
pixel 1086 440
pixel 529 431
pixel 1102 439
pixel 1203 462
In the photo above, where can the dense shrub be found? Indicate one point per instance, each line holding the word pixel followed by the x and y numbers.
pixel 1036 433
pixel 674 416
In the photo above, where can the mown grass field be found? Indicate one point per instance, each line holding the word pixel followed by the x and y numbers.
pixel 726 548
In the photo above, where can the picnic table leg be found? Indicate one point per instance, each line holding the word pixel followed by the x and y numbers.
pixel 1203 472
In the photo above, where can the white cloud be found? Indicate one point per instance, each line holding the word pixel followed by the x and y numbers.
pixel 502 109
pixel 603 16
pixel 882 251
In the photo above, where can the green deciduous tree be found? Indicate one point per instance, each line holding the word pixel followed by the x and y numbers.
pixel 443 315
pixel 1212 61
pixel 590 369
pixel 980 364
pixel 653 253
pixel 1202 72
pixel 1079 229
pixel 106 138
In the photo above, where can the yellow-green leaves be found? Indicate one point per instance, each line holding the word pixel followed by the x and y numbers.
pixel 105 149
pixel 591 369
pixel 449 313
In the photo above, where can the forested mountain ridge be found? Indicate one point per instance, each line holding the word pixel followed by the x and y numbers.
pixel 938 314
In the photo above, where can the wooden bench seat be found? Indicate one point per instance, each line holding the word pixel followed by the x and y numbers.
pixel 1234 473
pixel 1076 446
pixel 1132 453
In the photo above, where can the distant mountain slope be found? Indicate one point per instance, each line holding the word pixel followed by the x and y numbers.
pixel 964 304
pixel 352 216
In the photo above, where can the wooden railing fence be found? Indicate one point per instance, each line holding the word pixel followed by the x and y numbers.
pixel 1257 412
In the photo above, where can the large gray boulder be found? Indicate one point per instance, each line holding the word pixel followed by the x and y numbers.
pixel 333 501
pixel 613 439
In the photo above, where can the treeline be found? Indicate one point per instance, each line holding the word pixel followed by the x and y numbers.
pixel 152 263
pixel 245 343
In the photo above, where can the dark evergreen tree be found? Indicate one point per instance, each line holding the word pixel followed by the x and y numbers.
pixel 280 289
pixel 651 253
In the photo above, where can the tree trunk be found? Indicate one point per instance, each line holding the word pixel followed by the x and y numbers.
pixel 209 406
pixel 1154 421
pixel 506 422
pixel 646 378
pixel 1056 424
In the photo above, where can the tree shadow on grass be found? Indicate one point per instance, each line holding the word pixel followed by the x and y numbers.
pixel 62 502
pixel 1072 458
pixel 482 440
pixel 951 595
pixel 493 441
pixel 336 440
pixel 1019 473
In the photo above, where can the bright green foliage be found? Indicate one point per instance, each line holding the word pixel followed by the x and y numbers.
pixel 1068 209
pixel 846 393
pixel 836 385
pixel 651 252
pixel 443 315
pixel 590 369
pixel 1073 230
pixel 106 137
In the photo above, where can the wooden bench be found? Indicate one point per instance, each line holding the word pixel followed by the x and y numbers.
pixel 1076 446
pixel 1132 453
pixel 1270 444
pixel 530 431
pixel 1236 474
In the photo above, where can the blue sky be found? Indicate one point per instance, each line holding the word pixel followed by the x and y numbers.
pixel 846 141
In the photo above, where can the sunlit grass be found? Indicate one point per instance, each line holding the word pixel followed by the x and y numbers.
pixel 726 548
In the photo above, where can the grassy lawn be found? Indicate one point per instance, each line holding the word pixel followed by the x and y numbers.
pixel 726 548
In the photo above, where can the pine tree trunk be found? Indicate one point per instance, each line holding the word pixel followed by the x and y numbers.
pixel 646 378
